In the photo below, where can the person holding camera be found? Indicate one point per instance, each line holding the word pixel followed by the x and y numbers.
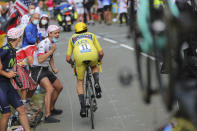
pixel 8 95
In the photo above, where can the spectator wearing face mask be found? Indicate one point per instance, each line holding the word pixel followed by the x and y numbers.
pixel 31 34
pixel 25 20
pixel 43 25
pixel 40 7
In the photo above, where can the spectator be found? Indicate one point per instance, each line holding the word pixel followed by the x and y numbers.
pixel 100 10
pixel 50 6
pixel 88 10
pixel 123 11
pixel 25 20
pixel 78 4
pixel 31 31
pixel 43 25
pixel 43 58
pixel 107 11
pixel 40 7
pixel 8 95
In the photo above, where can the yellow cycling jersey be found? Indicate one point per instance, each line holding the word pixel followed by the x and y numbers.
pixel 158 3
pixel 83 44
pixel 84 47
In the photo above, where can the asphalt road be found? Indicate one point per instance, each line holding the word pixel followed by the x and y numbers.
pixel 121 107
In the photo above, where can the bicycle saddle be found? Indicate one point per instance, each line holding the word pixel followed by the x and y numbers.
pixel 87 62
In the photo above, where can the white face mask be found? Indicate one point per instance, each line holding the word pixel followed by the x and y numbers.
pixel 44 22
pixel 31 12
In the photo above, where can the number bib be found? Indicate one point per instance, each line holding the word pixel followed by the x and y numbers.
pixel 84 48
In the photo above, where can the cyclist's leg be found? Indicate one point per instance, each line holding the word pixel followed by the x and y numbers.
pixel 4 107
pixel 80 68
pixel 15 100
pixel 95 73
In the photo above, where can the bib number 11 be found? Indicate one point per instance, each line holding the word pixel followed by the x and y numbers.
pixel 84 48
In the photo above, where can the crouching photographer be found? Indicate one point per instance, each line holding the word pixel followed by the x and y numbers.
pixel 8 95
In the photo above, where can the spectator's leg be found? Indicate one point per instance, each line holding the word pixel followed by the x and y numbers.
pixel 126 18
pixel 23 118
pixel 23 94
pixel 30 93
pixel 58 88
pixel 121 14
pixel 4 121
pixel 46 84
pixel 109 15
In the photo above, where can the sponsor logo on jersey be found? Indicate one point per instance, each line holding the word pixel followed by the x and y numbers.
pixel 84 36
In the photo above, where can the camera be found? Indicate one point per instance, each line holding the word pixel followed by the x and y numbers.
pixel 18 81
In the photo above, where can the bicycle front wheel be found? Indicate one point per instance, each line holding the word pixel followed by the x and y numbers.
pixel 92 113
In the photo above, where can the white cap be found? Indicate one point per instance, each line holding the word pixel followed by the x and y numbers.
pixel 15 33
pixel 52 28
pixel 44 15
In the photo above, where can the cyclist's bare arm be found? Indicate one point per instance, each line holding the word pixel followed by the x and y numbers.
pixel 43 57
pixel 99 49
pixel 69 60
pixel 101 54
pixel 69 52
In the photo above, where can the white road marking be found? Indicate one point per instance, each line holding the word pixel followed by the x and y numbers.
pixel 124 46
pixel 151 57
pixel 98 36
pixel 110 40
pixel 128 47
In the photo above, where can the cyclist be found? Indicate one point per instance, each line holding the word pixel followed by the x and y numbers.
pixel 8 95
pixel 85 47
pixel 41 74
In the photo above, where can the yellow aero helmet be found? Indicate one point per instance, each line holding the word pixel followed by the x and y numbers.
pixel 79 27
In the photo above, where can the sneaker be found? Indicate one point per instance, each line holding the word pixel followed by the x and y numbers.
pixel 97 90
pixel 50 119
pixel 56 112
pixel 83 112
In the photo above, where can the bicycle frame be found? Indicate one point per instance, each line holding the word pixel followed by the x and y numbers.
pixel 90 99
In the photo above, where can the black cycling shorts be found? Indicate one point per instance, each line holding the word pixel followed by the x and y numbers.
pixel 107 7
pixel 8 96
pixel 100 10
pixel 38 73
